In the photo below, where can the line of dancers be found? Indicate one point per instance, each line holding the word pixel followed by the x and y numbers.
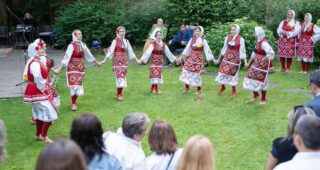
pixel 41 92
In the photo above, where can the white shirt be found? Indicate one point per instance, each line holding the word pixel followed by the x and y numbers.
pixel 112 47
pixel 35 70
pixel 242 50
pixel 302 161
pixel 146 56
pixel 87 54
pixel 291 34
pixel 161 162
pixel 128 151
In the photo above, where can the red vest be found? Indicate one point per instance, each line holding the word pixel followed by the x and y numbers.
pixel 76 53
pixel 193 41
pixel 309 31
pixel 118 46
pixel 259 50
pixel 32 93
pixel 156 49
pixel 237 41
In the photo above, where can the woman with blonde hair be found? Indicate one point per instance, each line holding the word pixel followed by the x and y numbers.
pixel 283 148
pixel 197 154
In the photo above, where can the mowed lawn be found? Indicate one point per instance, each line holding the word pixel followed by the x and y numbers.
pixel 241 133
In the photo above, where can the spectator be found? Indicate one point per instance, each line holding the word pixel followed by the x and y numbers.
pixel 125 143
pixel 86 131
pixel 314 83
pixel 61 155
pixel 152 33
pixel 197 154
pixel 307 140
pixel 283 148
pixel 31 24
pixel 181 39
pixel 3 152
pixel 163 142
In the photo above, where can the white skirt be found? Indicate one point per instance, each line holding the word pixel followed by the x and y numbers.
pixel 76 90
pixel 190 78
pixel 121 82
pixel 255 85
pixel 227 79
pixel 156 80
pixel 44 111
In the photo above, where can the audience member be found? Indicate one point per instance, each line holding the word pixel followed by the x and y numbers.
pixel 181 38
pixel 314 83
pixel 152 33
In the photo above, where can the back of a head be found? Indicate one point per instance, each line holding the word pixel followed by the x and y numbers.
pixel 197 154
pixel 314 78
pixel 61 155
pixel 86 131
pixel 308 127
pixel 295 114
pixel 162 138
pixel 134 124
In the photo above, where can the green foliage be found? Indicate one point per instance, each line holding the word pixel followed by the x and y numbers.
pixel 99 20
pixel 217 33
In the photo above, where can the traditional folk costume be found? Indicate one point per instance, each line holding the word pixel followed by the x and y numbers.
pixel 155 54
pixel 38 92
pixel 257 76
pixel 309 35
pixel 194 61
pixel 233 51
pixel 118 51
pixel 48 64
pixel 73 61
pixel 288 43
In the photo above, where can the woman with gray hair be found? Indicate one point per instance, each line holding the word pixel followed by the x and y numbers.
pixel 125 144
pixel 3 152
pixel 283 148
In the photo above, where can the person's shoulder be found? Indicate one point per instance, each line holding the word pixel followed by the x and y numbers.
pixel 284 166
pixel 280 141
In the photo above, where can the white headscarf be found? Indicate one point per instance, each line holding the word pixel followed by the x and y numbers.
pixel 199 39
pixel 75 38
pixel 33 50
pixel 259 33
pixel 232 42
pixel 123 40
pixel 308 23
pixel 292 21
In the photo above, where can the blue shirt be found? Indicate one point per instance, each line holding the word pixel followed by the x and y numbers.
pixel 183 36
pixel 314 105
pixel 105 162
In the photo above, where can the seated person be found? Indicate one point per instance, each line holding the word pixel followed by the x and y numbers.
pixel 181 39
pixel 152 33
pixel 31 24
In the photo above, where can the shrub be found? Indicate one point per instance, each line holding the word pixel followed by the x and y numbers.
pixel 99 20
pixel 216 34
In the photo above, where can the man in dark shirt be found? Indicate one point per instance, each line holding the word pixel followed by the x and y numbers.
pixel 31 24
pixel 314 83
pixel 180 40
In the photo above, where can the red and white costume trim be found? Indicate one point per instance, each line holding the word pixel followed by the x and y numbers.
pixel 309 35
pixel 73 60
pixel 38 91
pixel 233 51
pixel 193 52
pixel 155 53
pixel 257 76
pixel 287 44
pixel 117 52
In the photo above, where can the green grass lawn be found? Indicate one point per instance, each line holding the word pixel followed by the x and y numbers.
pixel 241 133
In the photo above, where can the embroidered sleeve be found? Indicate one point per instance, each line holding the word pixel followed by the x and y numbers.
pixel 147 54
pixel 110 52
pixel 207 51
pixel 187 49
pixel 130 51
pixel 242 49
pixel 267 48
pixel 169 55
pixel 67 56
pixel 316 35
pixel 224 49
pixel 35 70
pixel 88 55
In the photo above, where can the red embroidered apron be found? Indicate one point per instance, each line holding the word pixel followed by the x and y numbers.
pixel 156 61
pixel 194 62
pixel 75 69
pixel 306 45
pixel 287 47
pixel 120 62
pixel 231 60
